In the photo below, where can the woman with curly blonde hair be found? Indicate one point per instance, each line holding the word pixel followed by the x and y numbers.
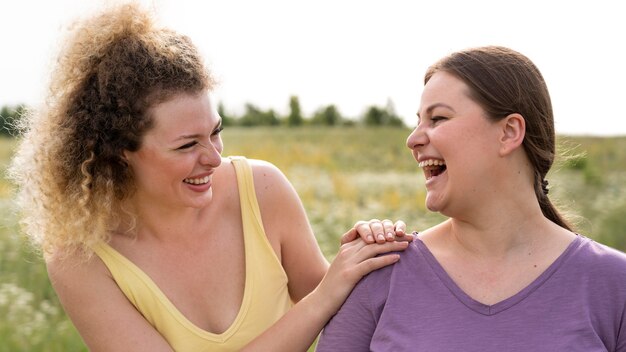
pixel 149 235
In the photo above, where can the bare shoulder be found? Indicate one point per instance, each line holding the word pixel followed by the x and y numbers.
pixel 269 180
pixel 435 235
pixel 78 279
pixel 265 170
pixel 288 230
pixel 98 308
pixel 67 268
pixel 281 208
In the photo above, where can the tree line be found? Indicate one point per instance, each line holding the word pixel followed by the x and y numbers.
pixel 324 116
pixel 254 116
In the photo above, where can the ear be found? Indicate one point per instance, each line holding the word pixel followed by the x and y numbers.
pixel 513 132
pixel 125 155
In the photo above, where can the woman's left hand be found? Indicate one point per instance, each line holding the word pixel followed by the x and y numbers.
pixel 377 231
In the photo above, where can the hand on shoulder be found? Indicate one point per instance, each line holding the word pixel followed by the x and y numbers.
pixel 377 231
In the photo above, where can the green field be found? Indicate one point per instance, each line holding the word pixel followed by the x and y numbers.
pixel 342 175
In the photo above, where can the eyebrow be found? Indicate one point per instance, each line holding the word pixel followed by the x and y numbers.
pixel 193 136
pixel 436 105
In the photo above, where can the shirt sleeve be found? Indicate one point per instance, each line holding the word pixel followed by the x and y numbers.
pixel 352 328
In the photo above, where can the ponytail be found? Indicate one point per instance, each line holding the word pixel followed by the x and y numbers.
pixel 547 208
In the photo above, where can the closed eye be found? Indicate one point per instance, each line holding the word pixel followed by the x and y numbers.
pixel 217 130
pixel 187 145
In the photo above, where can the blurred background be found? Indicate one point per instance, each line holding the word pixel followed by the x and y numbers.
pixel 328 91
pixel 353 54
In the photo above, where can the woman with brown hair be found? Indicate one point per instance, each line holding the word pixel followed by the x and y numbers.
pixel 505 272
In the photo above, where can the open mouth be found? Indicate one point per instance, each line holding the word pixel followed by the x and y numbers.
pixel 432 167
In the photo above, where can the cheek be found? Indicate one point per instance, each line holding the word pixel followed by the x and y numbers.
pixel 458 137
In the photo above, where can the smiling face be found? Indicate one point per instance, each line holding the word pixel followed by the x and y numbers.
pixel 455 144
pixel 178 156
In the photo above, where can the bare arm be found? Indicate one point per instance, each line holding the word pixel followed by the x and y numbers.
pixel 288 228
pixel 297 329
pixel 284 217
pixel 103 316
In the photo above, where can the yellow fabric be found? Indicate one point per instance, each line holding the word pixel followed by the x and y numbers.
pixel 265 298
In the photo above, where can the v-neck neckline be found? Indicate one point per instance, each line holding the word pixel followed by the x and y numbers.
pixel 171 307
pixel 506 303
pixel 176 313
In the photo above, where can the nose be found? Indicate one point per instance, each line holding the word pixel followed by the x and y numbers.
pixel 416 139
pixel 211 154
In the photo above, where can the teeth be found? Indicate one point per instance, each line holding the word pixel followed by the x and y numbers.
pixel 431 162
pixel 197 181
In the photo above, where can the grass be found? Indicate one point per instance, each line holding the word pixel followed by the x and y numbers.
pixel 341 175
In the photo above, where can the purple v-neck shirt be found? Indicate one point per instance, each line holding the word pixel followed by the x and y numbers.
pixel 577 304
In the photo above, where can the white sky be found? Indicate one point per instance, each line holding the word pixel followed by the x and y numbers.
pixel 357 53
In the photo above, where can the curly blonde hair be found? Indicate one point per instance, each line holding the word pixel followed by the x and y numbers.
pixel 69 168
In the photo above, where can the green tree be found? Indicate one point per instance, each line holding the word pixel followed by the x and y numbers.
pixel 295 115
pixel 254 116
pixel 392 118
pixel 328 116
pixel 227 119
pixel 376 116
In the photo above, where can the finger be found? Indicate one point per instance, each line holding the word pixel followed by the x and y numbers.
pixel 364 231
pixel 349 236
pixel 374 249
pixel 390 232
pixel 351 249
pixel 400 228
pixel 369 265
pixel 407 237
pixel 377 230
pixel 359 223
pixel 401 234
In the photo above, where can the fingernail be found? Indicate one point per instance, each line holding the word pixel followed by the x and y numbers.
pixel 381 237
pixel 389 235
pixel 370 238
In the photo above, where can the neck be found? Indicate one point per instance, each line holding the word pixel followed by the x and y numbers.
pixel 505 216
pixel 165 224
pixel 501 225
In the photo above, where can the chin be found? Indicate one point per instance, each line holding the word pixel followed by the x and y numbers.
pixel 432 208
pixel 433 204
pixel 202 201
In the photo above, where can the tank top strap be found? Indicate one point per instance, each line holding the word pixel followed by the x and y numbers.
pixel 266 281
pixel 257 245
pixel 247 194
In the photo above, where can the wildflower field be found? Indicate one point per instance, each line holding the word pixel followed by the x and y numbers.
pixel 342 175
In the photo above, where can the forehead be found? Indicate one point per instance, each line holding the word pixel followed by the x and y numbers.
pixel 183 111
pixel 442 84
pixel 444 89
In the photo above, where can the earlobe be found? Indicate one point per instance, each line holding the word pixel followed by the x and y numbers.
pixel 125 156
pixel 513 132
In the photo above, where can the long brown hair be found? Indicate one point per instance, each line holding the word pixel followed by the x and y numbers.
pixel 503 82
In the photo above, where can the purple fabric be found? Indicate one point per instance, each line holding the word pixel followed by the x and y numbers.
pixel 577 304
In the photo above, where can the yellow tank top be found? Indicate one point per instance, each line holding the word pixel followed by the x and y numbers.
pixel 265 297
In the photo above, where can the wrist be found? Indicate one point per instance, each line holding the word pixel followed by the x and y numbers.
pixel 325 300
